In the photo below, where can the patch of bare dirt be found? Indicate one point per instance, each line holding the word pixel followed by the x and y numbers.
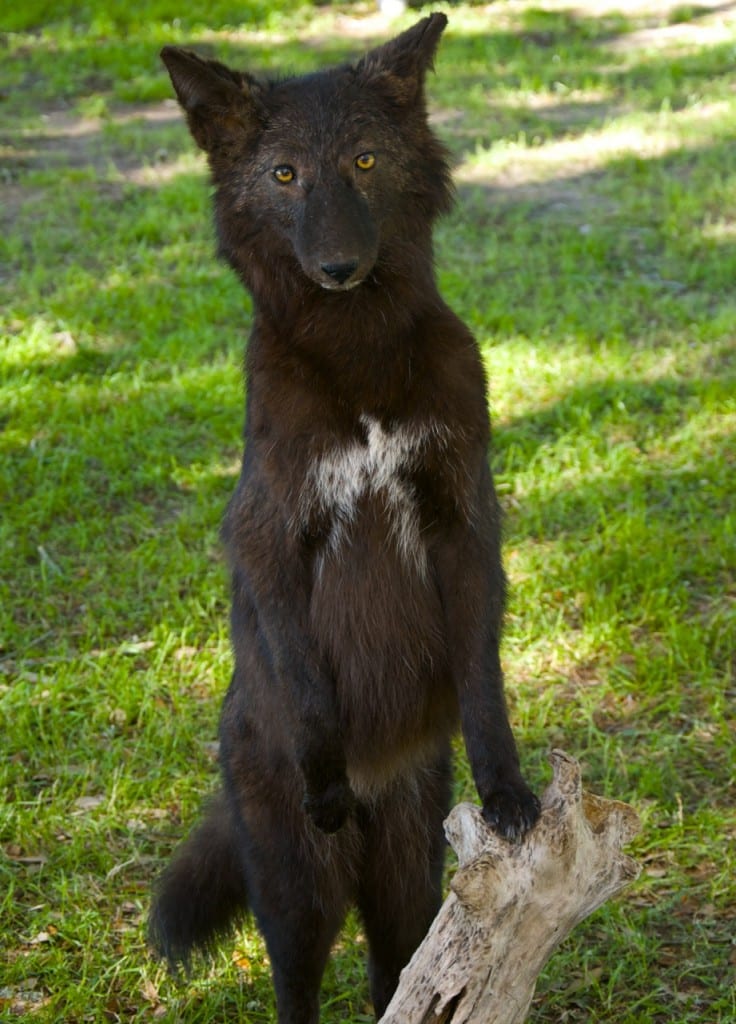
pixel 70 140
pixel 707 25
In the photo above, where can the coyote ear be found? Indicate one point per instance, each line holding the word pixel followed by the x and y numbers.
pixel 400 65
pixel 218 102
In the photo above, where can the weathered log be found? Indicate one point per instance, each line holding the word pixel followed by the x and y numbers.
pixel 512 903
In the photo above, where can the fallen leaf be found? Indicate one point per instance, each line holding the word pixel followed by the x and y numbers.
pixel 15 853
pixel 88 803
pixel 118 717
pixel 149 991
pixel 241 960
pixel 136 646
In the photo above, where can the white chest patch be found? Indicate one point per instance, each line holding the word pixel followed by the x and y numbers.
pixel 339 479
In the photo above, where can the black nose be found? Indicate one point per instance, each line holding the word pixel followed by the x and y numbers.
pixel 340 272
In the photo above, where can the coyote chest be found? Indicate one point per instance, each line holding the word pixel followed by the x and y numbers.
pixel 375 609
pixel 371 477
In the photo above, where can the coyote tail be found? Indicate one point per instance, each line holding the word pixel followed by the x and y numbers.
pixel 202 894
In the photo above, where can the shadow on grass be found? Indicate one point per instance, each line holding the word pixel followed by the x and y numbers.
pixel 160 309
pixel 106 155
pixel 500 248
pixel 547 51
pixel 157 295
pixel 150 307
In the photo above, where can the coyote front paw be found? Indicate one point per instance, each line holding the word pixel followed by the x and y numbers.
pixel 511 810
pixel 330 808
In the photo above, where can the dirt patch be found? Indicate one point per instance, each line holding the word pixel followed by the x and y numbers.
pixel 72 141
pixel 705 26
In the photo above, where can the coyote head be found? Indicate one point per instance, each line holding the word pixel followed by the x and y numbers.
pixel 333 177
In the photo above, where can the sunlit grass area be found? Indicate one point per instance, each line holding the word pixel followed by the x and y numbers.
pixel 593 252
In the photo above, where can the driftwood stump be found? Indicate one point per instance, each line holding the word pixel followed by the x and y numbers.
pixel 512 903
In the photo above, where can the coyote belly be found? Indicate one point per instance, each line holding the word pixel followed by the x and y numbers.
pixel 363 536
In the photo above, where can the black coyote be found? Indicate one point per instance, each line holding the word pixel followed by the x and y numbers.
pixel 363 536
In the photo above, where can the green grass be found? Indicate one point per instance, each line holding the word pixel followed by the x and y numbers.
pixel 593 251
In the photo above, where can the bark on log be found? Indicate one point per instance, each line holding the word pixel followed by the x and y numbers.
pixel 512 903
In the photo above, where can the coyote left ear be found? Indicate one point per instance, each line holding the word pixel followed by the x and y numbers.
pixel 400 65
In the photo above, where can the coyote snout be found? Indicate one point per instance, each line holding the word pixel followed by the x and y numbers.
pixel 336 239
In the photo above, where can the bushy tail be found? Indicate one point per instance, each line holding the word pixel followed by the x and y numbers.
pixel 201 894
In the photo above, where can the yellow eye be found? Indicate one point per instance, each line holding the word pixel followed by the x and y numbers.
pixel 365 161
pixel 284 174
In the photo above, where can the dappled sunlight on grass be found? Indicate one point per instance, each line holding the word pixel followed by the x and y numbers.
pixel 524 161
pixel 593 252
pixel 682 35
pixel 721 230
pixel 162 172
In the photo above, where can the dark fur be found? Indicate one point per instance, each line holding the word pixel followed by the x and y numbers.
pixel 368 591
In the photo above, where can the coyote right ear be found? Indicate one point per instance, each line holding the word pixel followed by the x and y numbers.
pixel 218 102
pixel 400 65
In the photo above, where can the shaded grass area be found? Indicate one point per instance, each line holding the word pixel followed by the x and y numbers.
pixel 593 250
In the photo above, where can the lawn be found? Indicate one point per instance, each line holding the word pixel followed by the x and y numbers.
pixel 592 250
